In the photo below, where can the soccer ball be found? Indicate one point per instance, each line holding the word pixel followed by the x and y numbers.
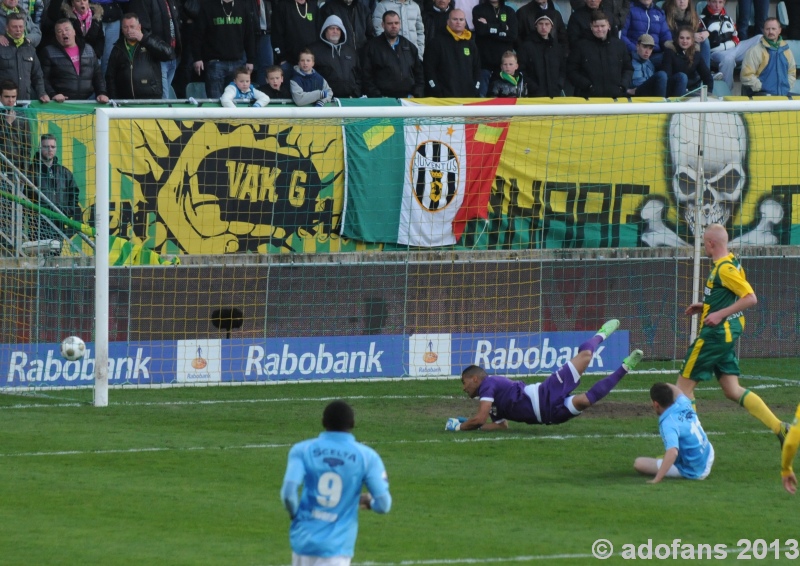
pixel 73 348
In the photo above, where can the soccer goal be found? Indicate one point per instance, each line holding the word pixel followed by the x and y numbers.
pixel 411 240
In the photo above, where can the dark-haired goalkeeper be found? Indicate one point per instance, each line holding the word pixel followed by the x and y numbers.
pixel 549 402
pixel 726 295
pixel 332 469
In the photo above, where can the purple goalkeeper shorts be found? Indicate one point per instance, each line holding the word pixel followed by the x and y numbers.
pixel 553 391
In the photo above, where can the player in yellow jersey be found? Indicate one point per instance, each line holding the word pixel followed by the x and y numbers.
pixel 787 455
pixel 726 295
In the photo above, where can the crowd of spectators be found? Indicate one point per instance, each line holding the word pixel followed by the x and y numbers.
pixel 310 52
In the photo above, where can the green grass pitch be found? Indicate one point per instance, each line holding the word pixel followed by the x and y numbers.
pixel 192 477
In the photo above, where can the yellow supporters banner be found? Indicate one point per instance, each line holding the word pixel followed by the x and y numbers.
pixel 197 187
pixel 211 187
pixel 631 180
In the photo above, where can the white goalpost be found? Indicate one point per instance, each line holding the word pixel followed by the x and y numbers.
pixel 555 182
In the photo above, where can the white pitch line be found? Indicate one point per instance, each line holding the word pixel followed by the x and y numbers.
pixel 198 403
pixel 271 446
pixel 474 560
pixel 435 561
pixel 532 558
pixel 230 401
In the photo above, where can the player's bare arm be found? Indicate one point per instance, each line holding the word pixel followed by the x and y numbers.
pixel 480 418
pixel 499 425
pixel 790 483
pixel 717 317
pixel 669 459
pixel 694 308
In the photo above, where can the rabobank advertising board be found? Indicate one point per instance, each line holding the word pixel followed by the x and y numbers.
pixel 512 353
pixel 306 359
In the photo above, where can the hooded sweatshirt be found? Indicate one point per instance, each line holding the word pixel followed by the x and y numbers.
pixel 338 62
pixel 356 17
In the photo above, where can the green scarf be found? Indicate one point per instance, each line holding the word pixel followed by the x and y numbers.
pixel 510 78
pixel 774 44
pixel 17 42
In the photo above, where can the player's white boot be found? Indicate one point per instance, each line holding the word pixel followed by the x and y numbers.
pixel 608 328
pixel 632 360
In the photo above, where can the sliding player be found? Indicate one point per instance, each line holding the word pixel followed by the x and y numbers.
pixel 688 454
pixel 549 402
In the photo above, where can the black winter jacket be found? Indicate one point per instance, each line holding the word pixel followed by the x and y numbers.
pixel 543 62
pixel 57 184
pixel 617 10
pixel 435 21
pixel 139 77
pixel 391 72
pixel 497 35
pixel 162 18
pixel 580 24
pixel 501 88
pixel 223 32
pixel 530 12
pixel 21 65
pixel 60 76
pixel 697 72
pixel 338 64
pixel 291 32
pixel 600 68
pixel 452 68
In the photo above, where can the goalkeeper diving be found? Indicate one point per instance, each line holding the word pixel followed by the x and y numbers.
pixel 549 402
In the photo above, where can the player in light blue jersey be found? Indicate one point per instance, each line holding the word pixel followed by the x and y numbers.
pixel 332 469
pixel 689 454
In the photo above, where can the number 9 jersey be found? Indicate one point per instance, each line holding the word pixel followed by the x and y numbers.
pixel 332 469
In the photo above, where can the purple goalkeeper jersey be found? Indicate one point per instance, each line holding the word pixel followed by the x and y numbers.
pixel 509 400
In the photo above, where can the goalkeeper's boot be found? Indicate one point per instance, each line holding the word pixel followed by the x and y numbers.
pixel 783 432
pixel 632 360
pixel 608 328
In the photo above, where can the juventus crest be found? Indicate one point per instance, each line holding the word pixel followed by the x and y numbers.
pixel 434 175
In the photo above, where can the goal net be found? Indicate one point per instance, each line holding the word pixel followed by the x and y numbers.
pixel 402 241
